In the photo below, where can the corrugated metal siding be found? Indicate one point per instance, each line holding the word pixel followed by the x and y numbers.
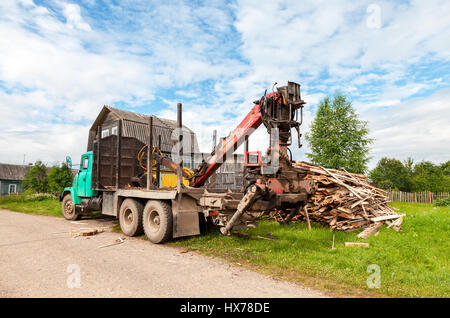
pixel 140 132
pixel 136 126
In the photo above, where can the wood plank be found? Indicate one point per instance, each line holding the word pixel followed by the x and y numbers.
pixel 386 217
pixel 357 244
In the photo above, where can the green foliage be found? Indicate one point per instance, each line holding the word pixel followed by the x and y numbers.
pixel 36 178
pixel 445 167
pixel 59 177
pixel 442 202
pixel 430 177
pixel 41 179
pixel 392 174
pixel 337 138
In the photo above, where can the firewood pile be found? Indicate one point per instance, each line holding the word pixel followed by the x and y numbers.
pixel 344 201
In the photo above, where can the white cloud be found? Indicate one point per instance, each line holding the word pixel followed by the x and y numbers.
pixel 72 13
pixel 418 128
pixel 187 94
pixel 59 72
pixel 283 41
pixel 53 72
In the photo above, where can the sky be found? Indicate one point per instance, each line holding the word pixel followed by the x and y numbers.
pixel 61 61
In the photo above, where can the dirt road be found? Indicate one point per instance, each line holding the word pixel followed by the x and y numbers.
pixel 40 258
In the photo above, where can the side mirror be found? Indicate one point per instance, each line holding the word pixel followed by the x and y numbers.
pixel 69 162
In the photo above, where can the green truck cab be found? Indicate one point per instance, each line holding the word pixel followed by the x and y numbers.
pixel 81 188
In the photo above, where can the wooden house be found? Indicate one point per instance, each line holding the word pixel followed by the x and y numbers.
pixel 11 177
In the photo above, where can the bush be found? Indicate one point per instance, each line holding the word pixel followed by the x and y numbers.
pixel 59 177
pixel 41 179
pixel 36 178
pixel 442 202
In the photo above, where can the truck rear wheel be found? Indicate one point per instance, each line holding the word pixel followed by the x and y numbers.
pixel 68 208
pixel 157 221
pixel 130 217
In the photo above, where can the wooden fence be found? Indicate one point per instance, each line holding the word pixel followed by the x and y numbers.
pixel 417 197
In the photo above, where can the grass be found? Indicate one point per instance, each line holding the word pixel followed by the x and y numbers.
pixel 42 204
pixel 413 263
pixel 31 203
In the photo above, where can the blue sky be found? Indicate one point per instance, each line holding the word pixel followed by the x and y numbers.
pixel 61 61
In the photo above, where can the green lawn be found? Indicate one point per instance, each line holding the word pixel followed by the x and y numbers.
pixel 413 263
pixel 37 204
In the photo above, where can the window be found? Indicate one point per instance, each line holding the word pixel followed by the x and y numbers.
pixel 105 133
pixel 114 131
pixel 12 188
pixel 85 163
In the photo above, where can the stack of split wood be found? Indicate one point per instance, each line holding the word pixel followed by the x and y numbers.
pixel 345 201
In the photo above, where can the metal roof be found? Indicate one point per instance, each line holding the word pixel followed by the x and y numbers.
pixel 136 125
pixel 13 172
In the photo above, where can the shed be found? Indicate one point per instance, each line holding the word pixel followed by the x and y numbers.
pixel 117 138
pixel 136 126
pixel 11 177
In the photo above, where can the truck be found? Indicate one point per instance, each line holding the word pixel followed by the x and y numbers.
pixel 132 180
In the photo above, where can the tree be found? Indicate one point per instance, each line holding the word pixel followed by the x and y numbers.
pixel 337 138
pixel 430 177
pixel 59 177
pixel 409 177
pixel 36 178
pixel 392 174
pixel 445 167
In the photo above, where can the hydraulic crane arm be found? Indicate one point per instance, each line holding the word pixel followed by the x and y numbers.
pixel 276 110
pixel 227 146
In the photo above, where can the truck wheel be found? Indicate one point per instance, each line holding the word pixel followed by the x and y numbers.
pixel 68 209
pixel 130 217
pixel 157 221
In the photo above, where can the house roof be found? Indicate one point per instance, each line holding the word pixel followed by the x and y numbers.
pixel 136 125
pixel 13 172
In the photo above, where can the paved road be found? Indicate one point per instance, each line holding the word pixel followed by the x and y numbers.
pixel 39 257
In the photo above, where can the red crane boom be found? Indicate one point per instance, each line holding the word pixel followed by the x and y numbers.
pixel 276 110
pixel 227 146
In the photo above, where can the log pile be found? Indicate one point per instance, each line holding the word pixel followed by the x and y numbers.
pixel 344 201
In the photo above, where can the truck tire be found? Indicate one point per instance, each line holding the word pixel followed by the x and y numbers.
pixel 68 208
pixel 130 217
pixel 157 221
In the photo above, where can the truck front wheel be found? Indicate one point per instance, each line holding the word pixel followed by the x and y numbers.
pixel 68 209
pixel 130 217
pixel 157 221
